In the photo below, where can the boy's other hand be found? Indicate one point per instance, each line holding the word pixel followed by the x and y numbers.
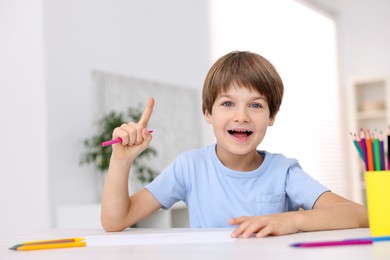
pixel 262 226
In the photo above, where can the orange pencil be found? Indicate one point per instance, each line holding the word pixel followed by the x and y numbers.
pixel 370 152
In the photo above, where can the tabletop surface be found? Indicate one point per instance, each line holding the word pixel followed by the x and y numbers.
pixel 277 247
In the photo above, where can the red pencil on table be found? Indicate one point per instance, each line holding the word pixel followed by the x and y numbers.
pixel 335 243
pixel 345 242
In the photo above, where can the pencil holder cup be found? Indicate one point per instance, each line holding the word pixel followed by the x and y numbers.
pixel 378 202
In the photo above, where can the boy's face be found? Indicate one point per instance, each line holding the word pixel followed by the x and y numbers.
pixel 240 118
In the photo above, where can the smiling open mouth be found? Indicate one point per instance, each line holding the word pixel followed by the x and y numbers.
pixel 240 133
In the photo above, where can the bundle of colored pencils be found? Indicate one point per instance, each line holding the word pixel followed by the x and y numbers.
pixel 371 149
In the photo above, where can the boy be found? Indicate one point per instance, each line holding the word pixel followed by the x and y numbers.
pixel 229 183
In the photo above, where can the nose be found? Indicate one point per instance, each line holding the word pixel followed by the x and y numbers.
pixel 241 116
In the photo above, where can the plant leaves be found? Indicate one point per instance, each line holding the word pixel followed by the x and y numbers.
pixel 100 156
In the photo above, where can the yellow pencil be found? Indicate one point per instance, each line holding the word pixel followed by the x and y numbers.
pixel 49 246
pixel 52 241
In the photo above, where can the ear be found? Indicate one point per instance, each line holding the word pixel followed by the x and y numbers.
pixel 271 121
pixel 208 117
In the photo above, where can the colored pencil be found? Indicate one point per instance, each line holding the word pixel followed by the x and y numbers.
pixel 363 146
pixel 370 152
pixel 49 244
pixel 388 148
pixel 334 243
pixel 376 151
pixel 117 140
pixel 357 145
pixel 382 151
pixel 346 242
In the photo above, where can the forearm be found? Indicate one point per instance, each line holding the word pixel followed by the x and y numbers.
pixel 117 206
pixel 330 212
pixel 115 197
pixel 338 216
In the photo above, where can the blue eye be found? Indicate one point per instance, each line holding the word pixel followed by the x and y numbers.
pixel 256 105
pixel 227 104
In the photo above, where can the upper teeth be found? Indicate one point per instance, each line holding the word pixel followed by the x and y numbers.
pixel 241 131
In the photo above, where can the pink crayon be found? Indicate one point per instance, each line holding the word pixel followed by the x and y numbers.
pixel 117 140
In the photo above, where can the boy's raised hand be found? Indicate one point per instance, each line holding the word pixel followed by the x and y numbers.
pixel 135 136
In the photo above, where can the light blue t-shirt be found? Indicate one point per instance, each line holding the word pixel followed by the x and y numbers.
pixel 214 193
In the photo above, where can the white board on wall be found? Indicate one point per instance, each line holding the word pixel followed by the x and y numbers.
pixel 175 118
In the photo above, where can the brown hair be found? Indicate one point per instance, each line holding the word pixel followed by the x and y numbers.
pixel 245 69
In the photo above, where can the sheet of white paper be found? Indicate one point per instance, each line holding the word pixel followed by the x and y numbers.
pixel 160 238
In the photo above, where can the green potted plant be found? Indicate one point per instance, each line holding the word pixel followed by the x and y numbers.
pixel 100 156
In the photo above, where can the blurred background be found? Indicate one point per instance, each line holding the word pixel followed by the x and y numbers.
pixel 50 50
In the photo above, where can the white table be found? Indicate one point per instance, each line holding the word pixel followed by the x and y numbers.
pixel 265 248
pixel 76 216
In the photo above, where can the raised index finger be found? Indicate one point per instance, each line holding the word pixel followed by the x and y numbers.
pixel 144 120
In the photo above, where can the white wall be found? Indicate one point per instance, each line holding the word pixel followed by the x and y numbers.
pixel 364 38
pixel 47 55
pixel 23 168
pixel 363 46
pixel 363 35
pixel 164 41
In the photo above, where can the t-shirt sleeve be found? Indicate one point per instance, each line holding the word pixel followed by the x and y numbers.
pixel 168 187
pixel 302 190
